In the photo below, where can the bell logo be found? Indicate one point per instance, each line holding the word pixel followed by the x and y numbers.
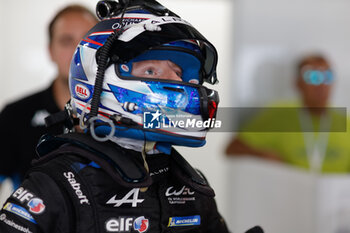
pixel 82 91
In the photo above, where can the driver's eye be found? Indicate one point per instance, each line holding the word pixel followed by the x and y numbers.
pixel 149 71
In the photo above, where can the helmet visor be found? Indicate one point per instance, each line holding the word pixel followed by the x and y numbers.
pixel 186 60
pixel 141 37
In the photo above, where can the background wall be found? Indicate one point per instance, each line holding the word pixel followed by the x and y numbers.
pixel 25 62
pixel 271 35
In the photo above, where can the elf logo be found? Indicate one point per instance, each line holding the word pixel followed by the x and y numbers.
pixel 35 204
pixel 82 91
pixel 127 224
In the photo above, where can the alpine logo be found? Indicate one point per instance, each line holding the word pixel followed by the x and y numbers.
pixel 131 197
pixel 160 171
pixel 127 224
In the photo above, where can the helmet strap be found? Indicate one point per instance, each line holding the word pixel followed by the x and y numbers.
pixel 148 146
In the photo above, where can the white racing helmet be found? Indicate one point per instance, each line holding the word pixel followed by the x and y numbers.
pixel 111 102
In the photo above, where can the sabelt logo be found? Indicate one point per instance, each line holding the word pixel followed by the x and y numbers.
pixel 76 186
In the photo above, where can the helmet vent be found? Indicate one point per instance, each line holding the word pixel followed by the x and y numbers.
pixel 174 89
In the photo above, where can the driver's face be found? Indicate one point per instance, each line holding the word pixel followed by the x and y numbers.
pixel 159 69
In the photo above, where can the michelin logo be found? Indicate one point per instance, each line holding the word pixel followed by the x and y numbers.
pixel 184 221
pixel 20 211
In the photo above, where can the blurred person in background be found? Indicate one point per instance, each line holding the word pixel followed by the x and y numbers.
pixel 22 122
pixel 314 142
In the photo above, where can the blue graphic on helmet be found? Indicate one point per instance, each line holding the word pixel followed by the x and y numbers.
pixel 95 41
pixel 163 94
pixel 77 70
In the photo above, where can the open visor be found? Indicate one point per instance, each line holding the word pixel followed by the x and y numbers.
pixel 138 38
